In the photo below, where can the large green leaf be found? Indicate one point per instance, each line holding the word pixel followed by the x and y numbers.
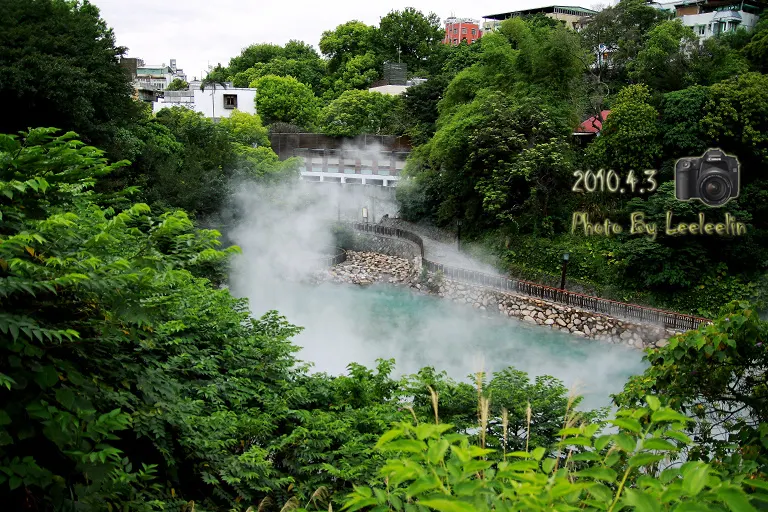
pixel 447 505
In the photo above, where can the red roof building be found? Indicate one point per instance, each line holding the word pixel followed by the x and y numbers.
pixel 593 124
pixel 461 29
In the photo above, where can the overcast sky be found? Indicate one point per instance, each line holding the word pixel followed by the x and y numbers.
pixel 201 32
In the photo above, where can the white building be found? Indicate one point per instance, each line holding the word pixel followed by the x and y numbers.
pixel 214 102
pixel 396 90
pixel 155 77
pixel 709 18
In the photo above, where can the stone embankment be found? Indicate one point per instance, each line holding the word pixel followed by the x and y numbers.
pixel 368 268
pixel 365 268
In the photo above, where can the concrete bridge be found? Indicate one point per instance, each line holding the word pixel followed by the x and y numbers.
pixel 363 160
pixel 358 166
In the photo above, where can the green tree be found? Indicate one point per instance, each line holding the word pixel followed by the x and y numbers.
pixel 263 165
pixel 177 84
pixel 458 57
pixel 348 40
pixel 623 30
pixel 756 50
pixel 681 128
pixel 246 128
pixel 717 374
pixel 310 71
pixel 359 72
pixel 356 112
pixel 736 118
pixel 285 99
pixel 70 338
pixel 494 70
pixel 432 467
pixel 719 58
pixel 421 106
pixel 533 410
pixel 629 139
pixel 664 61
pixel 252 55
pixel 409 36
pixel 59 66
pixel 197 180
pixel 296 59
pixel 488 155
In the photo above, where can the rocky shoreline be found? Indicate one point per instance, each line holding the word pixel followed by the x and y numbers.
pixel 365 268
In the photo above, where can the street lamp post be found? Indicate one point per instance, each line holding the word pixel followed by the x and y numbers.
pixel 566 256
pixel 458 234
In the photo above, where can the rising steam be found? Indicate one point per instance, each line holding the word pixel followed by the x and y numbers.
pixel 285 227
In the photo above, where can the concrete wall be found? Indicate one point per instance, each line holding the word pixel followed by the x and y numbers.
pixel 214 106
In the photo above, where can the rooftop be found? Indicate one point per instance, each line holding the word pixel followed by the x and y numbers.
pixel 542 10
pixel 459 20
pixel 593 124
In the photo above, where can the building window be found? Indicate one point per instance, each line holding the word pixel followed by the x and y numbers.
pixel 464 31
pixel 701 29
pixel 474 32
pixel 230 101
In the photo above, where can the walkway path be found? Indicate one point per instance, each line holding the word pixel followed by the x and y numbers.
pixel 440 246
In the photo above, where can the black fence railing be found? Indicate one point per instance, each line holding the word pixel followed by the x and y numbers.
pixel 630 312
pixel 339 256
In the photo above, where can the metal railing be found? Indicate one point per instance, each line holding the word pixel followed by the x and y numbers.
pixel 340 256
pixel 622 310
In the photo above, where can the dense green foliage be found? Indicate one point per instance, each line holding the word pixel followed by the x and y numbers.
pixel 435 470
pixel 59 67
pixel 177 84
pixel 357 112
pixel 131 379
pixel 286 100
pixel 183 160
pixel 494 147
pixel 123 363
pixel 719 375
pixel 354 54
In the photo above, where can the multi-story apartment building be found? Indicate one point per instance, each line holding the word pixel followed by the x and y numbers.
pixel 150 81
pixel 709 18
pixel 157 77
pixel 572 17
pixel 461 29
pixel 154 77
